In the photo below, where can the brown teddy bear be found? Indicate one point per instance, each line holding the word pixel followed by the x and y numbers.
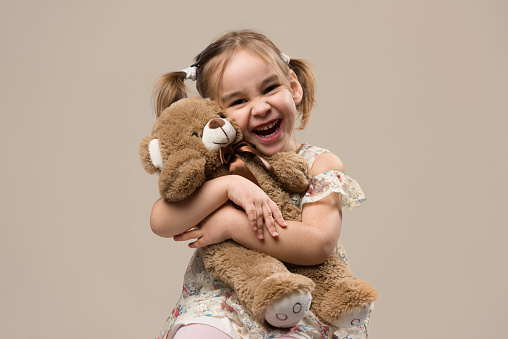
pixel 184 148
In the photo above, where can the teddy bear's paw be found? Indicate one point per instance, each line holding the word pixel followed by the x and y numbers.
pixel 288 310
pixel 356 317
pixel 292 171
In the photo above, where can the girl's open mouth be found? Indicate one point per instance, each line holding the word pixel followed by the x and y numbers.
pixel 268 130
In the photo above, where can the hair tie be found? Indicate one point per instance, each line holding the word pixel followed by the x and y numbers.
pixel 285 57
pixel 190 72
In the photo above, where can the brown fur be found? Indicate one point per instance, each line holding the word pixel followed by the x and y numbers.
pixel 258 279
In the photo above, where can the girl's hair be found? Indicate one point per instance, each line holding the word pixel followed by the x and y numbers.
pixel 212 61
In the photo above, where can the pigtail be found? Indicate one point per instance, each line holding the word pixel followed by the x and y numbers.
pixel 169 89
pixel 306 79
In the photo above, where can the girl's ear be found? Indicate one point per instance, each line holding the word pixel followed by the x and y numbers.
pixel 296 88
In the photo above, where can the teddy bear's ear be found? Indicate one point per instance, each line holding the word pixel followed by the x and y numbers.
pixel 150 154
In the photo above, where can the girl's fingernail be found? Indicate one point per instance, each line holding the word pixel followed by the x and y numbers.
pixel 175 238
pixel 275 234
pixel 260 236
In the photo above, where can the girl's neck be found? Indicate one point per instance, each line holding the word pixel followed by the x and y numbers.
pixel 292 146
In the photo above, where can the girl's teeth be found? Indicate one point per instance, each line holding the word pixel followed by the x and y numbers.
pixel 268 130
pixel 269 135
pixel 267 127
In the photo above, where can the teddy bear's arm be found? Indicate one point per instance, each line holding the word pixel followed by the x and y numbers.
pixel 291 171
pixel 182 174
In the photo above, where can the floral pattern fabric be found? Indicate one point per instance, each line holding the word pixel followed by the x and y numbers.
pixel 330 181
pixel 208 301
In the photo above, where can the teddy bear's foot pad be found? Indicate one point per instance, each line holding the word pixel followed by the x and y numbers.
pixel 356 317
pixel 288 310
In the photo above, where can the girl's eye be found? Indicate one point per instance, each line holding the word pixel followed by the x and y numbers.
pixel 271 88
pixel 237 102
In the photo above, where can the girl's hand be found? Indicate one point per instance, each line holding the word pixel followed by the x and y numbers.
pixel 206 234
pixel 261 210
pixel 213 229
pixel 217 227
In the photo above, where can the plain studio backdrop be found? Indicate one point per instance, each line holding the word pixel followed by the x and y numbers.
pixel 412 95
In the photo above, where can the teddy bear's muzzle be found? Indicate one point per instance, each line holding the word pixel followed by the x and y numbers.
pixel 218 133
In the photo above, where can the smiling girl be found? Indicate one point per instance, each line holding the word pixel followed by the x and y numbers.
pixel 264 91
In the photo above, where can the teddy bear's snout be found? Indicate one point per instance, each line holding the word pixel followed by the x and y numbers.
pixel 216 123
pixel 218 133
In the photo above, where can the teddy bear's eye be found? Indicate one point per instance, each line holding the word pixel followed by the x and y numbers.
pixel 195 134
pixel 222 115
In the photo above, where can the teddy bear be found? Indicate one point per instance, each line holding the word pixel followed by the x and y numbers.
pixel 193 141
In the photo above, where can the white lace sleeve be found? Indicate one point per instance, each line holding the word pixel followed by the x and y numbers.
pixel 328 182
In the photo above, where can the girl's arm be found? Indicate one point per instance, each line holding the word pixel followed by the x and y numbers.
pixel 309 242
pixel 169 219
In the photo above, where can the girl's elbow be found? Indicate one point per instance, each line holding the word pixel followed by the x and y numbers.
pixel 326 249
pixel 316 257
pixel 158 227
pixel 158 223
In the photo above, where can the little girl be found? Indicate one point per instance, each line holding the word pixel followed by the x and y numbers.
pixel 264 91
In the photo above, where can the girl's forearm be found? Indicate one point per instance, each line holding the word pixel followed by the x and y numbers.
pixel 172 218
pixel 299 243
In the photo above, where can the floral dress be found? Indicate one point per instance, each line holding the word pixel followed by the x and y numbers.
pixel 208 301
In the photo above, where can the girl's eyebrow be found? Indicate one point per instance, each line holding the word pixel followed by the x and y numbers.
pixel 269 80
pixel 264 83
pixel 230 96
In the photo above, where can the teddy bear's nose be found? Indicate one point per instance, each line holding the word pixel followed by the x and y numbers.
pixel 216 123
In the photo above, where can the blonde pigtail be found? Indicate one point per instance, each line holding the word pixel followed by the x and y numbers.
pixel 306 79
pixel 169 89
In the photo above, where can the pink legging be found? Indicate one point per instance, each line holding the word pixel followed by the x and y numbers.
pixel 203 331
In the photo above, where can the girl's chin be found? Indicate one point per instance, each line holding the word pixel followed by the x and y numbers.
pixel 272 144
pixel 272 148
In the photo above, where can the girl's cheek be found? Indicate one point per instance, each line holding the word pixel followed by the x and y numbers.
pixel 240 117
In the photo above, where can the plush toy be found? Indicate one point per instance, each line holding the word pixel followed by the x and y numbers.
pixel 184 149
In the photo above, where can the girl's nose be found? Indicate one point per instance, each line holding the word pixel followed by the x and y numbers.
pixel 260 107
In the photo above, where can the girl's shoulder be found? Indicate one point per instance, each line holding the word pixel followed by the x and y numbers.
pixel 329 177
pixel 310 152
pixel 327 162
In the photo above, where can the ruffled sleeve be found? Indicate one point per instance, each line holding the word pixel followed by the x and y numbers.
pixel 328 182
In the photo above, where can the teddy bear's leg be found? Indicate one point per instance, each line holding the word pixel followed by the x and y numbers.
pixel 288 310
pixel 355 318
pixel 340 299
pixel 262 282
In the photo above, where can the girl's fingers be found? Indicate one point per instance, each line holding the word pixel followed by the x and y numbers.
pixel 260 234
pixel 251 215
pixel 269 221
pixel 260 222
pixel 197 244
pixel 190 235
pixel 277 215
pixel 194 234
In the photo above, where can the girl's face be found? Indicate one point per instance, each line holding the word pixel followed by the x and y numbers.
pixel 262 106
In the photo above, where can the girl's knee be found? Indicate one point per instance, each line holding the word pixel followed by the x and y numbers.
pixel 200 331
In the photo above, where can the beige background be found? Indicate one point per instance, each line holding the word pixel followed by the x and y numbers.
pixel 412 95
